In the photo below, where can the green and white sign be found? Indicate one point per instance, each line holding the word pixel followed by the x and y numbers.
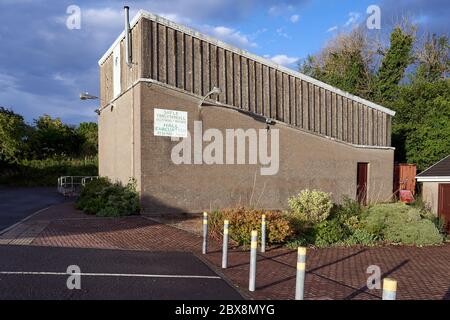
pixel 170 123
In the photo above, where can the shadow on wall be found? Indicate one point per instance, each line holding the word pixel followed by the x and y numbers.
pixel 238 196
pixel 153 207
pixel 447 295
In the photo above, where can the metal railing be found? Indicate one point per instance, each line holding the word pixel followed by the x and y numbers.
pixel 72 185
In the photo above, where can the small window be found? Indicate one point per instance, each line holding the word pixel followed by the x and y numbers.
pixel 116 71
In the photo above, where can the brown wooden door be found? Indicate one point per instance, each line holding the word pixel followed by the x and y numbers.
pixel 361 183
pixel 444 203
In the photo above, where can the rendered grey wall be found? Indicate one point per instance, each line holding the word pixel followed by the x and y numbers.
pixel 306 161
pixel 430 195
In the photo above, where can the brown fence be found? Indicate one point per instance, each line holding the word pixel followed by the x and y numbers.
pixel 404 178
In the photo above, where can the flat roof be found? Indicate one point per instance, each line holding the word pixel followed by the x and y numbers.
pixel 153 17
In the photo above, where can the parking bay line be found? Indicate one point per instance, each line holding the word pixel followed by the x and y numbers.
pixel 107 275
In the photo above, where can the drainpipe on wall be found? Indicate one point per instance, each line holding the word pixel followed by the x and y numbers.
pixel 127 37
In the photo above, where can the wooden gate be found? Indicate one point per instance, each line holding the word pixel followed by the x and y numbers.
pixel 444 203
pixel 404 178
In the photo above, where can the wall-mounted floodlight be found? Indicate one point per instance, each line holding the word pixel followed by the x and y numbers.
pixel 87 96
pixel 215 90
pixel 269 121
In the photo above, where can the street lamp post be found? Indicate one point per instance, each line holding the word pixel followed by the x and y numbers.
pixel 215 90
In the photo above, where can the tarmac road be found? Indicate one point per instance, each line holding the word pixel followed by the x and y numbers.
pixel 32 272
pixel 18 203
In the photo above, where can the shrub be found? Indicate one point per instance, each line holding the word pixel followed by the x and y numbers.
pixel 361 236
pixel 329 232
pixel 400 223
pixel 215 224
pixel 299 241
pixel 311 206
pixel 440 224
pixel 105 199
pixel 348 210
pixel 244 220
pixel 89 199
pixel 421 233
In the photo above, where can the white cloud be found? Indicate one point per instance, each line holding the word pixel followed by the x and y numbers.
pixel 353 18
pixel 333 28
pixel 282 33
pixel 277 10
pixel 283 59
pixel 176 18
pixel 295 18
pixel 230 35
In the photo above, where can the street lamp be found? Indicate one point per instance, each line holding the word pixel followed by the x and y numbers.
pixel 214 90
pixel 87 96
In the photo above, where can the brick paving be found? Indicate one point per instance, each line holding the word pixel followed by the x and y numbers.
pixel 333 273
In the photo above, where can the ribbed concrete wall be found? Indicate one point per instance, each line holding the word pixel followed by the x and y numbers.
pixel 187 60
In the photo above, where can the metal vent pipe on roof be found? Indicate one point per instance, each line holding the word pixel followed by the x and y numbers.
pixel 127 36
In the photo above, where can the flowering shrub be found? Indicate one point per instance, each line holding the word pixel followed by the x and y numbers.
pixel 244 220
pixel 311 206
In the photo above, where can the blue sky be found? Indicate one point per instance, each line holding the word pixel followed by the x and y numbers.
pixel 44 65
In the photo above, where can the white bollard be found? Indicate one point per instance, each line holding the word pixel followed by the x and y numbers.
pixel 263 233
pixel 253 248
pixel 225 245
pixel 300 279
pixel 205 233
pixel 389 289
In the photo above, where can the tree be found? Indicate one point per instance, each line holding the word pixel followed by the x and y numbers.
pixel 88 132
pixel 433 58
pixel 52 138
pixel 343 63
pixel 421 128
pixel 13 135
pixel 393 66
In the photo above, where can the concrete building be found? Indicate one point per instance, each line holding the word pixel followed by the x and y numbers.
pixel 327 139
pixel 436 188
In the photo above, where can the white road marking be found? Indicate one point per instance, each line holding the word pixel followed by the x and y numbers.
pixel 23 220
pixel 107 275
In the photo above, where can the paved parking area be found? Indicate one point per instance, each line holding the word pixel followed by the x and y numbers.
pixel 332 273
pixel 28 272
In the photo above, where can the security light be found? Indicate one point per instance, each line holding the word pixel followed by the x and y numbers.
pixel 269 121
pixel 87 96
pixel 214 90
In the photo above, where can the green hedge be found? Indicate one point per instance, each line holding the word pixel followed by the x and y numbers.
pixel 46 172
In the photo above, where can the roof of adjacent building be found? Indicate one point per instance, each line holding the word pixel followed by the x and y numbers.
pixel 439 169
